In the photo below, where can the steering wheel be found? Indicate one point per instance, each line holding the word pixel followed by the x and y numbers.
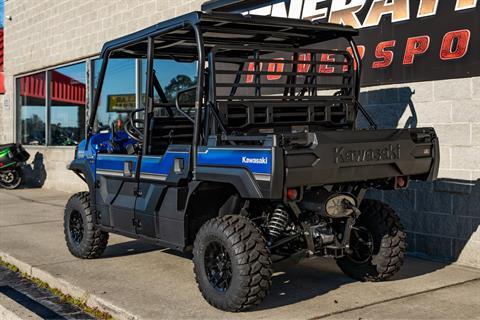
pixel 131 128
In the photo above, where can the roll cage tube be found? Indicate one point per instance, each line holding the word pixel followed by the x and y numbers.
pixel 199 97
pixel 358 61
pixel 149 110
pixel 358 74
pixel 199 89
pixel 96 98
pixel 177 103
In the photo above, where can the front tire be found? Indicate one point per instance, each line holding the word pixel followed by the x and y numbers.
pixel 232 263
pixel 377 242
pixel 84 239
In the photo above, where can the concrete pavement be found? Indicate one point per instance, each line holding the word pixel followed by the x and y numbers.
pixel 137 280
pixel 454 302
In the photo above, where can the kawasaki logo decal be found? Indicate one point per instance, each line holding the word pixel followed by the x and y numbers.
pixel 390 152
pixel 262 160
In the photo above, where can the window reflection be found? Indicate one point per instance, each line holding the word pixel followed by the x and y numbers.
pixel 68 99
pixel 173 76
pixel 31 109
pixel 118 97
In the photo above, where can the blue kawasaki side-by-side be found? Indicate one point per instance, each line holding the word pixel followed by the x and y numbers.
pixel 250 156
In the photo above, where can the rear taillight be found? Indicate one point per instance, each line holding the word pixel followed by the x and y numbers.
pixel 292 194
pixel 401 182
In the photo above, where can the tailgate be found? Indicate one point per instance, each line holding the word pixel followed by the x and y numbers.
pixel 347 156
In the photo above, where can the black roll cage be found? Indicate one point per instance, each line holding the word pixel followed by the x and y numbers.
pixel 194 21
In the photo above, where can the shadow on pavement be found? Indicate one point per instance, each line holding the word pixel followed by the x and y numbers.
pixel 306 280
pixel 318 276
pixel 129 248
pixel 134 247
pixel 303 282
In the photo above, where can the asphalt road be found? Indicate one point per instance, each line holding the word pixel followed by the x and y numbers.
pixel 134 280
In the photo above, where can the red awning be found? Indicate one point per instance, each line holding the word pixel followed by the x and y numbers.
pixel 67 90
pixel 64 89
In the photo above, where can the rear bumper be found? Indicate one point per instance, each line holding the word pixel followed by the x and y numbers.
pixel 354 156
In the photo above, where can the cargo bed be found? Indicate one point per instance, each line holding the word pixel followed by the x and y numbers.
pixel 347 156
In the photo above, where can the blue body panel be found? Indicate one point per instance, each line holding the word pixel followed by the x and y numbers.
pixel 257 160
pixel 96 151
pixel 161 165
pixel 114 162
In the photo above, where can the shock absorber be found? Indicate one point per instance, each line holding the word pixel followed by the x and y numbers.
pixel 277 223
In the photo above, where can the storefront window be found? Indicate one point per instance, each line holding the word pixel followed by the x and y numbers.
pixel 64 122
pixel 31 109
pixel 67 105
pixel 118 96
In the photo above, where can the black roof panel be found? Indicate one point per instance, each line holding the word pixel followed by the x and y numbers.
pixel 217 27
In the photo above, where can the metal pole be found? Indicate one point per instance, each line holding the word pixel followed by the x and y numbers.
pixel 48 105
pixel 199 97
pixel 96 99
pixel 138 83
pixel 149 106
pixel 358 72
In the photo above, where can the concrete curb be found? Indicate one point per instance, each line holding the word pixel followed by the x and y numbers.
pixel 17 313
pixel 12 310
pixel 91 299
pixel 7 314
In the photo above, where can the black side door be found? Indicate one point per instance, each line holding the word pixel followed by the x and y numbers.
pixel 161 194
pixel 117 186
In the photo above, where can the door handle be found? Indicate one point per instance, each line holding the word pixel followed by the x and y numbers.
pixel 178 165
pixel 127 169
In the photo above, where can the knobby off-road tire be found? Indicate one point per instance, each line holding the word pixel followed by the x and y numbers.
pixel 83 239
pixel 248 263
pixel 389 244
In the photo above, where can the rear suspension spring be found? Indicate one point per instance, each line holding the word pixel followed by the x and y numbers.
pixel 278 222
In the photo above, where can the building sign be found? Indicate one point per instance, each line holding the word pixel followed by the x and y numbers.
pixel 121 103
pixel 400 40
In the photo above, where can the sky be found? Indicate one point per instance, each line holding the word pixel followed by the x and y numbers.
pixel 1 13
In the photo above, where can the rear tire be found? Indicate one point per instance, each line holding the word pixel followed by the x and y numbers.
pixel 378 224
pixel 84 239
pixel 232 263
pixel 14 179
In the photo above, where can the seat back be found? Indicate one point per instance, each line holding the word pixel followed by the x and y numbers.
pixel 165 131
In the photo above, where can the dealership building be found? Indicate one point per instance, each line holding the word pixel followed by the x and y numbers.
pixel 421 68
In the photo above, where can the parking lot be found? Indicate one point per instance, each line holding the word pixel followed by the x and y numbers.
pixel 140 281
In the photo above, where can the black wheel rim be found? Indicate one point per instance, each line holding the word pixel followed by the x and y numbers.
pixel 361 245
pixel 10 178
pixel 218 266
pixel 76 227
